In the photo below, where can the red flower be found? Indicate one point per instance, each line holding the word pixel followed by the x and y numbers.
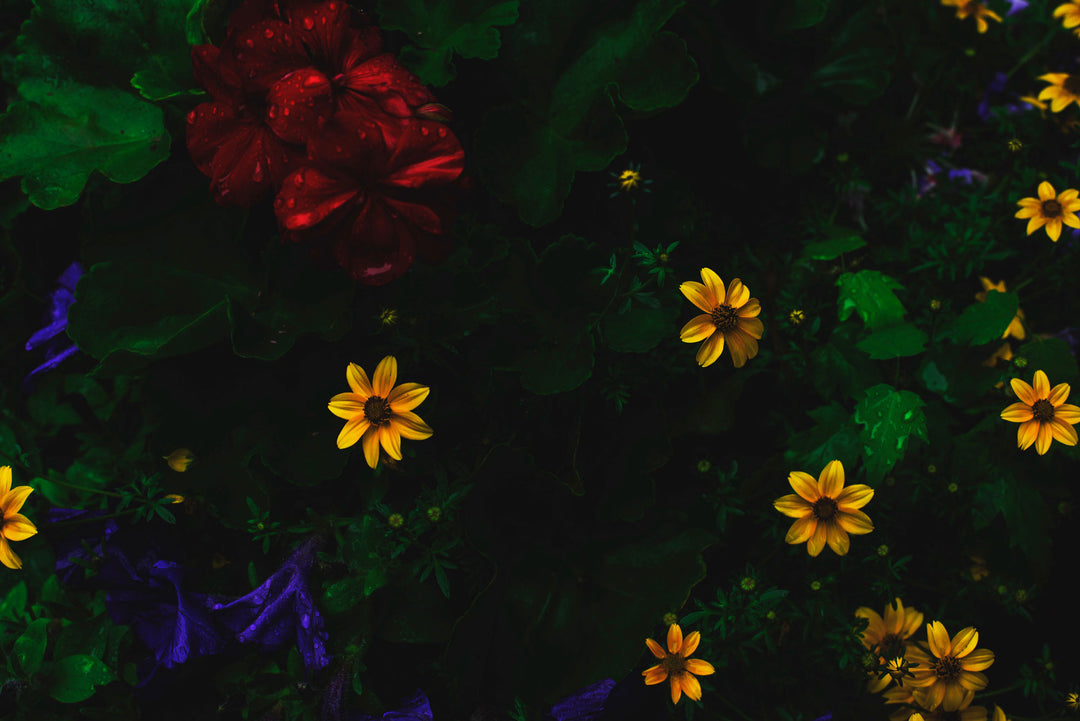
pixel 373 192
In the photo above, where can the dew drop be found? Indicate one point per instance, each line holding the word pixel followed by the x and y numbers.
pixel 285 112
pixel 217 606
pixel 308 23
pixel 442 132
pixel 322 20
pixel 290 203
pixel 268 33
pixel 192 117
pixel 312 80
pixel 305 620
pixel 298 179
pixel 250 43
pixel 257 176
pixel 361 134
pixel 272 111
pixel 424 131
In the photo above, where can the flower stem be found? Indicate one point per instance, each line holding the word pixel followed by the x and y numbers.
pixel 87 489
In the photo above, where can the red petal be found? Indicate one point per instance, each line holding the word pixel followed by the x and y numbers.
pixel 323 27
pixel 264 53
pixel 249 162
pixel 208 125
pixel 380 246
pixel 220 81
pixel 425 154
pixel 298 103
pixel 310 198
pixel 352 142
pixel 384 83
pixel 251 12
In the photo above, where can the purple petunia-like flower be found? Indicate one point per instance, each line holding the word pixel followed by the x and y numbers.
pixel 73 549
pixel 58 346
pixel 994 90
pixel 1016 6
pixel 281 610
pixel 583 705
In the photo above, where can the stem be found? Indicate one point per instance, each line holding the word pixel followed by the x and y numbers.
pixel 1032 52
pixel 87 489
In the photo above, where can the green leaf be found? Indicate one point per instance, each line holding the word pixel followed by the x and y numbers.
pixel 529 152
pixel 30 647
pixel 857 77
pixel 799 14
pixel 439 29
pixel 842 242
pixel 637 331
pixel 57 135
pixel 74 678
pixel 14 605
pixel 1024 511
pixel 985 322
pixel 1053 357
pixel 890 418
pixel 871 294
pixel 895 341
pixel 558 368
pixel 834 435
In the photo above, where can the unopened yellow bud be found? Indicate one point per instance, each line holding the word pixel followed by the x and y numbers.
pixel 180 459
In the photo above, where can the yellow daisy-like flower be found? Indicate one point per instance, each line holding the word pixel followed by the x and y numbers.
pixel 899 695
pixel 16 526
pixel 967 8
pixel 379 413
pixel 886 636
pixel 676 666
pixel 730 317
pixel 1042 413
pixel 1069 14
pixel 1063 89
pixel 826 511
pixel 1016 327
pixel 1050 209
pixel 948 675
pixel 1072 701
pixel 180 459
pixel 966 712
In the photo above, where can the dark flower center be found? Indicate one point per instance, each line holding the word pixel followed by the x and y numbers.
pixel 824 509
pixel 1072 84
pixel 947 669
pixel 724 317
pixel 377 410
pixel 892 646
pixel 1051 208
pixel 969 7
pixel 1043 410
pixel 673 664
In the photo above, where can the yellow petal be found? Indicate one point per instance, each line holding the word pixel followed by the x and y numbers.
pixel 358 381
pixel 965 641
pixel 855 496
pixel 1017 413
pixel 654 675
pixel 856 523
pixel 1023 391
pixel 817 541
pixel 1046 191
pixel 657 650
pixel 973 681
pixel 1026 434
pixel 1053 229
pixel 14 500
pixel 698 294
pixel 714 285
pixel 690 644
pixel 699 668
pixel 691 686
pixel 1070 220
pixel 697 329
pixel 837 539
pixel 1068 195
pixel 676 689
pixel 831 481
pixel 1068 413
pixel 978 660
pixel 954 696
pixel 346 405
pixel 407 396
pixel 1044 438
pixel 737 294
pixel 751 310
pixel 801 530
pixel 1063 432
pixel 370 443
pixel 804 484
pixel 753 327
pixel 674 638
pixel 5 480
pixel 385 376
pixel 1041 386
pixel 1027 212
pixel 1060 102
pixel 737 346
pixel 1035 223
pixel 18 527
pixel 1026 203
pixel 1054 78
pixel 938 639
pixel 352 431
pixel 793 506
pixel 390 441
pixel 8 557
pixel 711 349
pixel 410 426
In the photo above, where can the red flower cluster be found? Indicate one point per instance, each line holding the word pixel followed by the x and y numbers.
pixel 306 104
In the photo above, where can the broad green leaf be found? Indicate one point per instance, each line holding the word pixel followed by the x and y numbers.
pixel 834 436
pixel 834 247
pixel 985 322
pixel 890 417
pixel 895 341
pixel 858 76
pixel 74 678
pixel 870 293
pixel 1024 511
pixel 30 647
pixel 1053 357
pixel 529 152
pixel 57 135
pixel 639 330
pixel 439 29
pixel 558 368
pixel 14 606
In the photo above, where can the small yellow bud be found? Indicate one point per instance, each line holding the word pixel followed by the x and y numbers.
pixel 883 550
pixel 771 615
pixel 1020 362
pixel 180 459
pixel 796 316
pixel 1015 145
pixel 935 305
pixel 388 317
pixel 1021 595
pixel 931 468
pixel 703 466
pixel 815 585
pixel 434 513
pixel 670 618
pixel 175 497
pixel 953 488
pixel 747 584
pixel 395 520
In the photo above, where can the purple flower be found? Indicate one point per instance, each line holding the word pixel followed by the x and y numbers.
pixel 73 550
pixel 967 175
pixel 281 609
pixel 583 705
pixel 996 89
pixel 1017 6
pixel 1071 336
pixel 58 345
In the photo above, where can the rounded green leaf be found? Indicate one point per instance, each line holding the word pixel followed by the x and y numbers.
pixel 74 678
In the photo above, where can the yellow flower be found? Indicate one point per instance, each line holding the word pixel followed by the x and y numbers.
pixel 1042 413
pixel 999 715
pixel 1016 327
pixel 1072 701
pixel 966 712
pixel 180 459
pixel 1014 145
pixel 379 412
pixel 967 8
pixel 1069 14
pixel 730 317
pixel 1003 353
pixel 676 666
pixel 1064 89
pixel 950 676
pixel 826 511
pixel 887 636
pixel 16 526
pixel 175 497
pixel 1050 209
pixel 978 569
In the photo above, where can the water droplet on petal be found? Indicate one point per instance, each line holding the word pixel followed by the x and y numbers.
pixel 305 620
pixel 298 179
pixel 308 23
pixel 314 79
pixel 192 117
pixel 290 203
pixel 424 131
pixel 442 132
pixel 268 33
pixel 272 111
pixel 249 42
pixel 257 176
pixel 285 111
